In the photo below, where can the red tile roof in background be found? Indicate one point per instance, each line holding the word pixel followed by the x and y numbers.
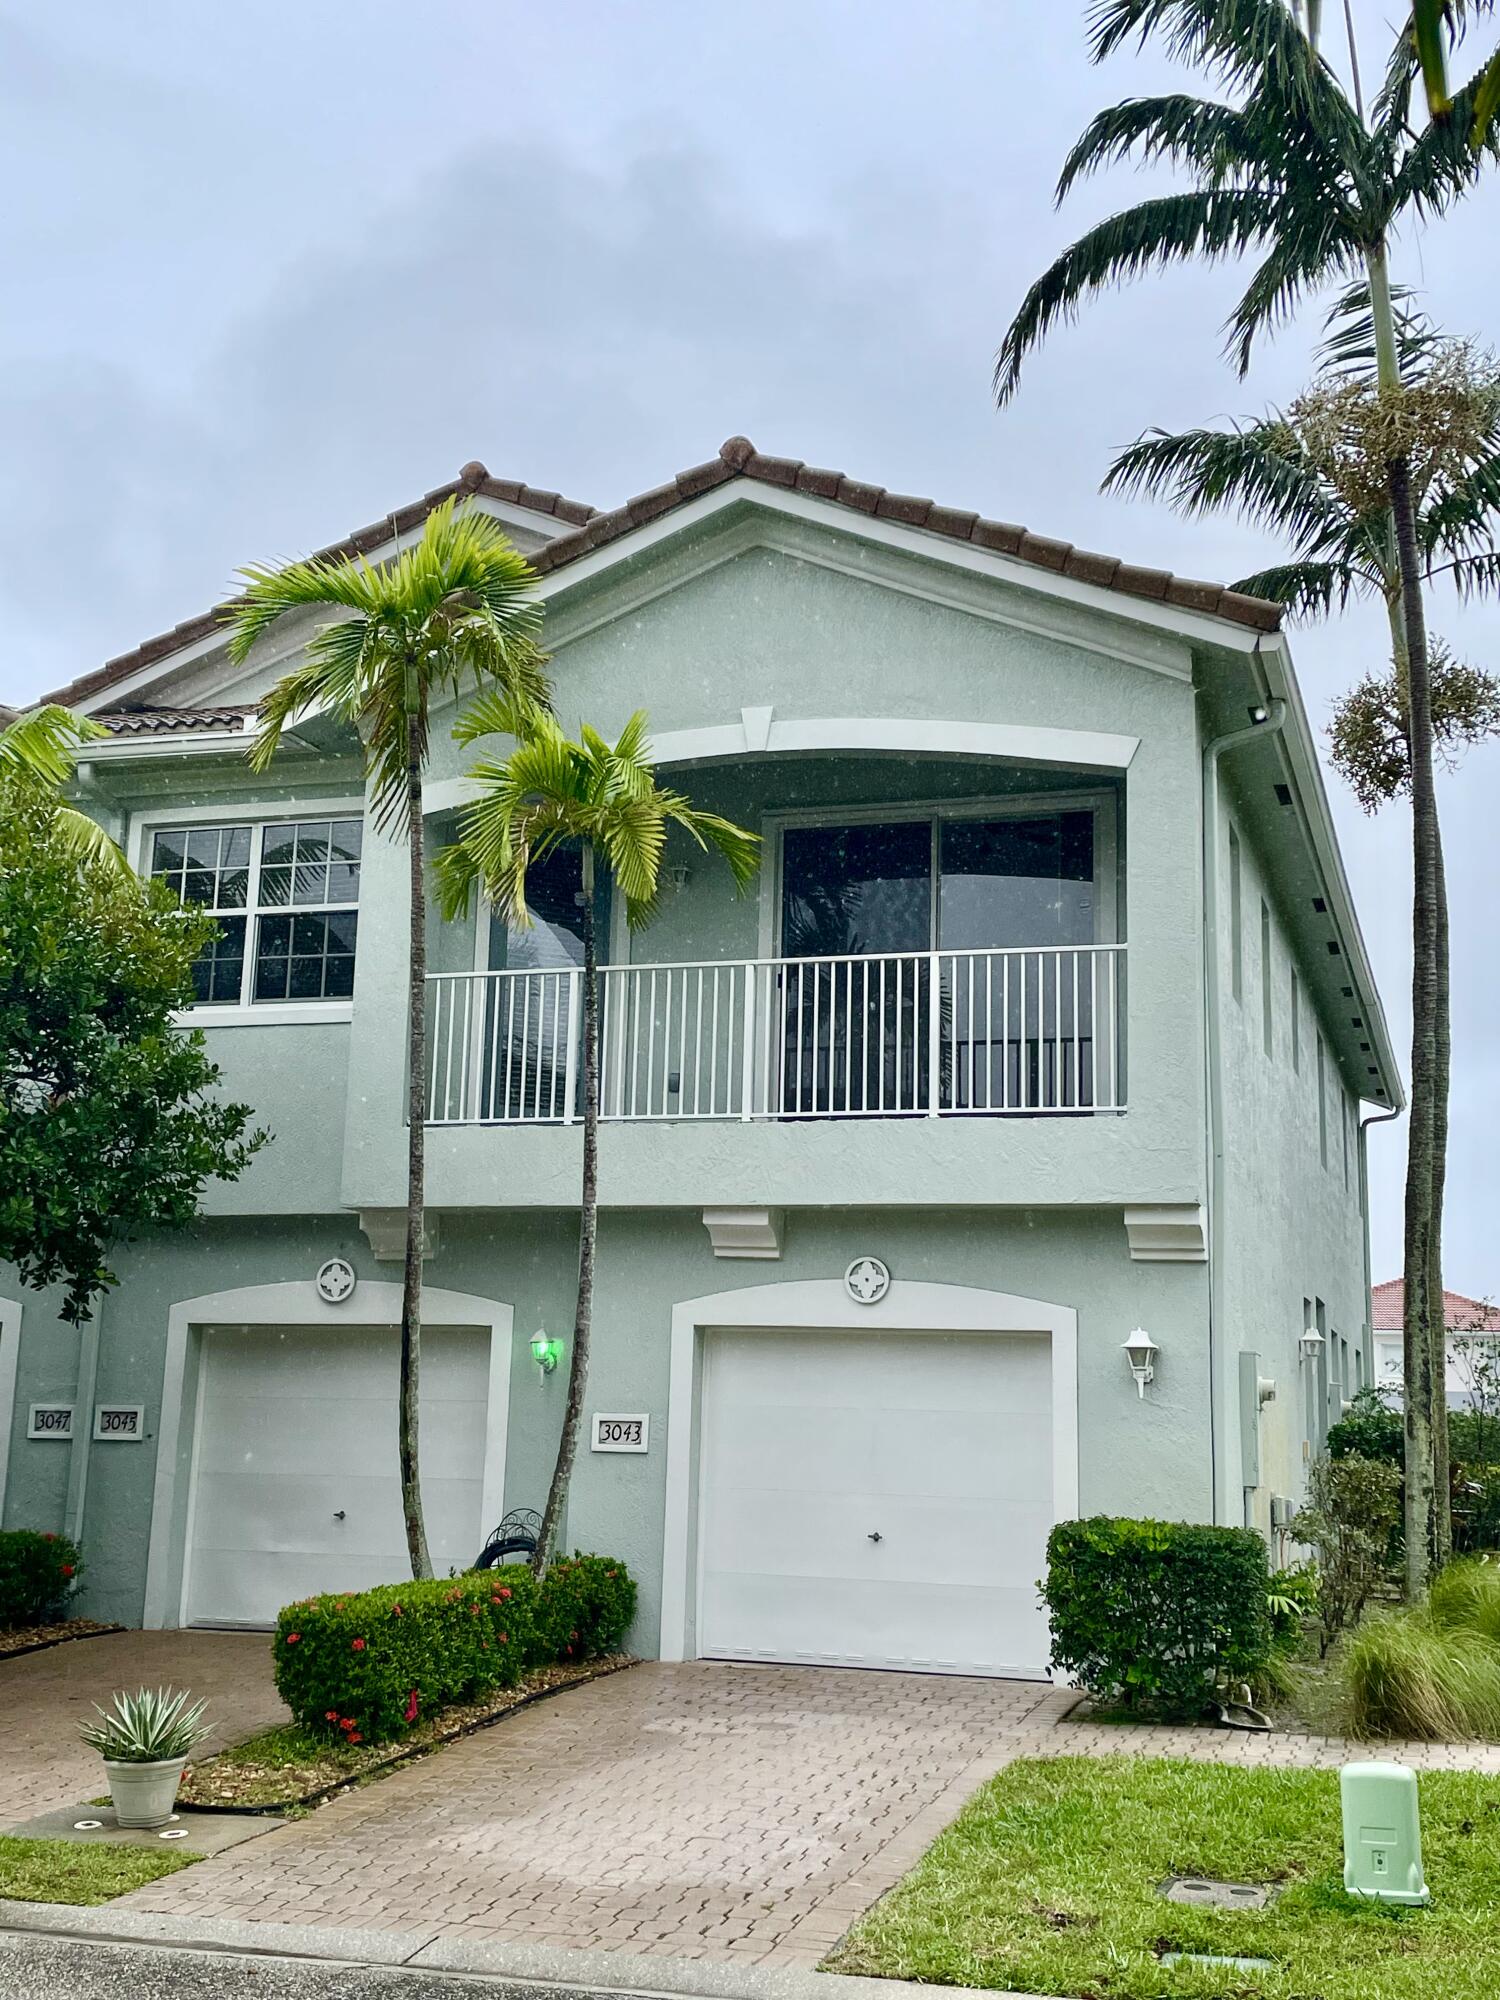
pixel 1460 1314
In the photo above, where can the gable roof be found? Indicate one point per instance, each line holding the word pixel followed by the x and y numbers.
pixel 586 529
pixel 1460 1314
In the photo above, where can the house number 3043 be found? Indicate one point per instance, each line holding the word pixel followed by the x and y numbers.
pixel 612 1433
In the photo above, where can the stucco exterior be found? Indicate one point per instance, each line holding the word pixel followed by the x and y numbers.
pixel 1041 694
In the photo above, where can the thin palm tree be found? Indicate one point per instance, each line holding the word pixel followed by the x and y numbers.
pixel 602 801
pixel 1292 170
pixel 456 608
pixel 39 750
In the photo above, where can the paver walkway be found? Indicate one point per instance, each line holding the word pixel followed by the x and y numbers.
pixel 44 1696
pixel 698 1810
pixel 693 1811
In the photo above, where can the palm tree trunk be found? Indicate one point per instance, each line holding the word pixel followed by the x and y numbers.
pixel 1442 1479
pixel 588 1229
pixel 416 1170
pixel 1425 1402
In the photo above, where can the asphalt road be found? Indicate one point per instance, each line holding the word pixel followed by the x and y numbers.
pixel 34 1966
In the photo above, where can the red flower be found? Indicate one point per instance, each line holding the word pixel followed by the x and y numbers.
pixel 358 1645
pixel 505 1638
pixel 292 1638
pixel 395 1610
pixel 67 1569
pixel 49 1537
pixel 355 1737
pixel 330 1715
pixel 411 1706
pixel 505 1593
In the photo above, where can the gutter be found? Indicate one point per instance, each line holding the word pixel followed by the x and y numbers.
pixel 1268 722
pixel 1375 1118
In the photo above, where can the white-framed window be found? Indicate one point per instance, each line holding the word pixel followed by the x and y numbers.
pixel 285 897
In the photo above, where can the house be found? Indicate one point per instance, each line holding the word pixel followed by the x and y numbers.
pixel 1047 1026
pixel 1470 1325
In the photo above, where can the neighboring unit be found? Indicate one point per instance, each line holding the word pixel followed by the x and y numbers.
pixel 1473 1349
pixel 1047 1024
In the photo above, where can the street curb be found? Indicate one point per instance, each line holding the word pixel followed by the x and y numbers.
pixel 524 1970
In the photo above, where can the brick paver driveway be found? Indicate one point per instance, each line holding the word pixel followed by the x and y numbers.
pixel 44 1696
pixel 701 1810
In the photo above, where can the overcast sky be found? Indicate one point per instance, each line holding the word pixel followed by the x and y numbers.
pixel 276 269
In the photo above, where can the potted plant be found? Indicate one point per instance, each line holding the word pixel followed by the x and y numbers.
pixel 145 1741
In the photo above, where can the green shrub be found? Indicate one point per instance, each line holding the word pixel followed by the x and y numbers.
pixel 1292 1601
pixel 1369 1428
pixel 38 1574
pixel 370 1664
pixel 1352 1507
pixel 1466 1597
pixel 1157 1614
pixel 1405 1675
pixel 585 1605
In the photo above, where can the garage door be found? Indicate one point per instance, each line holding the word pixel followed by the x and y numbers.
pixel 876 1500
pixel 295 1487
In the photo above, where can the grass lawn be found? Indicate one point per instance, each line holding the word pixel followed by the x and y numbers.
pixel 1047 1883
pixel 74 1871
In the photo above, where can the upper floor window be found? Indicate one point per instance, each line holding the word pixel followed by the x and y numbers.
pixel 285 897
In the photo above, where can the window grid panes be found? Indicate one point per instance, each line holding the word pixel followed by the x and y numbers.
pixel 289 891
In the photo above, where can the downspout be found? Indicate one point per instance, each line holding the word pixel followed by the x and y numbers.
pixel 1375 1118
pixel 1267 723
pixel 83 1425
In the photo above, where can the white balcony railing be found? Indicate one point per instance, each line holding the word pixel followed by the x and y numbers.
pixel 1022 1032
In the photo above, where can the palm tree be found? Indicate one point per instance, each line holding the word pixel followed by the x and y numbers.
pixel 40 750
pixel 456 607
pixel 1271 471
pixel 604 802
pixel 1292 170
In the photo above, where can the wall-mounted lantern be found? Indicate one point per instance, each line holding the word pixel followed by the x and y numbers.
pixel 1312 1343
pixel 1141 1352
pixel 545 1351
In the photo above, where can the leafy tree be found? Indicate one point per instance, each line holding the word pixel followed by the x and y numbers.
pixel 456 608
pixel 38 753
pixel 1352 1506
pixel 1315 474
pixel 603 801
pixel 109 1121
pixel 1291 169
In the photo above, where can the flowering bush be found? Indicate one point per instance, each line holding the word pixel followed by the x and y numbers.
pixel 38 1573
pixel 367 1665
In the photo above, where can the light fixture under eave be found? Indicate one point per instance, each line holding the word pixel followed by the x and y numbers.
pixel 545 1350
pixel 1141 1352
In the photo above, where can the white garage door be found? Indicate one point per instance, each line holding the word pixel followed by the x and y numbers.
pixel 295 1486
pixel 876 1500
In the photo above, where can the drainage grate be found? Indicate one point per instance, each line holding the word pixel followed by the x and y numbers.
pixel 1219 1895
pixel 1210 1958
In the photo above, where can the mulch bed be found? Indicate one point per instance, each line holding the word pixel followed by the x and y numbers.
pixel 237 1781
pixel 36 1638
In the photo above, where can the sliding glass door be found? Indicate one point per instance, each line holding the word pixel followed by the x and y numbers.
pixel 940 962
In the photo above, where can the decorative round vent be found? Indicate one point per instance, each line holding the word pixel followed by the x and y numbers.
pixel 867 1281
pixel 336 1281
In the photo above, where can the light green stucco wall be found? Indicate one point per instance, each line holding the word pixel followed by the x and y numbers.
pixel 1134 1456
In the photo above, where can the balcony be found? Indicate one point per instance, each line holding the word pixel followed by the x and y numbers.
pixel 1023 1032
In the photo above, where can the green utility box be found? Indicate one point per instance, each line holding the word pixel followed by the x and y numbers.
pixel 1382 1834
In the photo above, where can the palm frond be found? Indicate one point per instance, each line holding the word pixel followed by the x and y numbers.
pixel 1311 246
pixel 1348 345
pixel 1209 223
pixel 1306 589
pixel 1257 470
pixel 1244 40
pixel 1447 155
pixel 43 743
pixel 1211 137
pixel 1473 576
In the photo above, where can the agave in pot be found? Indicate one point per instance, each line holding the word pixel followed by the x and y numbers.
pixel 145 1740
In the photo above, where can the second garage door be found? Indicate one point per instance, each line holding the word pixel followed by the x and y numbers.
pixel 877 1500
pixel 295 1486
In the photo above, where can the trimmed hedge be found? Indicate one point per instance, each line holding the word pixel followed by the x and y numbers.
pixel 38 1574
pixel 370 1664
pixel 1157 1615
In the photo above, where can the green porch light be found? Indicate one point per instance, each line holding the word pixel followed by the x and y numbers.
pixel 545 1351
